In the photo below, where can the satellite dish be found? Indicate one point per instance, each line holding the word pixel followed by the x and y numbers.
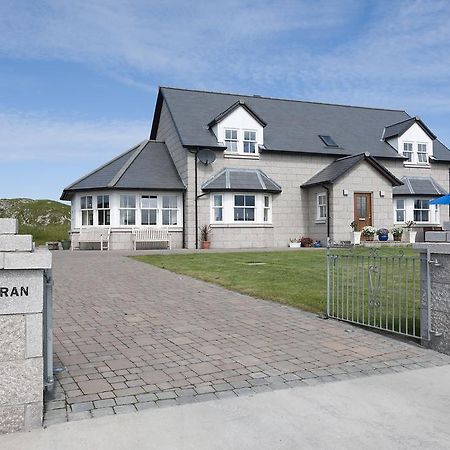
pixel 206 156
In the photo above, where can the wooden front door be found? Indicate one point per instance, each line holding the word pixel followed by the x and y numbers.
pixel 363 209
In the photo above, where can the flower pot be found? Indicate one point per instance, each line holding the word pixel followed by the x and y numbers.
pixel 368 238
pixel 53 245
pixel 205 245
pixel 383 237
pixel 295 244
pixel 412 236
pixel 65 244
pixel 356 237
pixel 397 237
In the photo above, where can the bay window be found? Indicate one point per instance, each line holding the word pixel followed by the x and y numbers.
pixel 241 209
pixel 127 210
pixel 103 210
pixel 416 209
pixel 87 211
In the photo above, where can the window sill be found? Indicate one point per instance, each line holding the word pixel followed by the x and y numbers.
pixel 232 155
pixel 241 225
pixel 417 166
pixel 321 221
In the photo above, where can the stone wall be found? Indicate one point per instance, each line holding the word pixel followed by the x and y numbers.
pixel 435 316
pixel 21 331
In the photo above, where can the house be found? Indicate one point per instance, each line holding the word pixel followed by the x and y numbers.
pixel 282 169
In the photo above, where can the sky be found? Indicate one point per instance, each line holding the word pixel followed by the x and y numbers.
pixel 78 79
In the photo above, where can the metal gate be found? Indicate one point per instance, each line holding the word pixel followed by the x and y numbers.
pixel 375 290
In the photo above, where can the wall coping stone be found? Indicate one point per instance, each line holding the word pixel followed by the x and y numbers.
pixel 435 247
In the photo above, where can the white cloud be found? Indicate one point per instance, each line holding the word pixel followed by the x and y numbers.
pixel 26 137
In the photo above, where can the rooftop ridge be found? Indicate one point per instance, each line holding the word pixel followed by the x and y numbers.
pixel 282 99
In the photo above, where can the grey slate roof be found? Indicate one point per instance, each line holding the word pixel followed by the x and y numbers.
pixel 292 126
pixel 398 129
pixel 341 166
pixel 419 186
pixel 147 165
pixel 241 180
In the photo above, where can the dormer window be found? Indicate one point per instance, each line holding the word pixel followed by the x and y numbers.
pixel 408 151
pixel 422 155
pixel 417 153
pixel 249 141
pixel 241 141
pixel 231 140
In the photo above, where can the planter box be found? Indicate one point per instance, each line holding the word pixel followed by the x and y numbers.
pixel 295 244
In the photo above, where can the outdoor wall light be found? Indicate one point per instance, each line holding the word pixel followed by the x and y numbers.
pixel 382 194
pixel 345 192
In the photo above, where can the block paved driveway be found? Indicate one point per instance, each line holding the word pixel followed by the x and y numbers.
pixel 131 336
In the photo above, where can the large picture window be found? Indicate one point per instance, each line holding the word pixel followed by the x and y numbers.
pixel 87 211
pixel 244 208
pixel 127 210
pixel 103 210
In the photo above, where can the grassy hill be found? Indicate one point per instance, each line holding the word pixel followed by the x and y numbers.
pixel 46 220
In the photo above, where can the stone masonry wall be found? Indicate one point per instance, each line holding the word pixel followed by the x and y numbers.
pixel 439 311
pixel 21 337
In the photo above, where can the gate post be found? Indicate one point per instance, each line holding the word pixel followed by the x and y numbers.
pixel 435 295
pixel 21 329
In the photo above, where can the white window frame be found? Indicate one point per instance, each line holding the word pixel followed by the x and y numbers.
pixel 128 209
pixel 408 153
pixel 228 209
pixel 147 210
pixel 245 207
pixel 240 143
pixel 86 211
pixel 321 208
pixel 422 152
pixel 397 209
pixel 421 210
pixel 215 208
pixel 409 208
pixel 170 209
pixel 105 212
pixel 252 142
pixel 267 209
pixel 231 142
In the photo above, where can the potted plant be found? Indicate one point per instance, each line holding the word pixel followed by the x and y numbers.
pixel 53 245
pixel 356 235
pixel 397 232
pixel 205 232
pixel 306 241
pixel 295 243
pixel 411 234
pixel 65 244
pixel 383 234
pixel 368 232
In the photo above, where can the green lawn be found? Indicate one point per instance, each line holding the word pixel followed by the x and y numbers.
pixel 296 278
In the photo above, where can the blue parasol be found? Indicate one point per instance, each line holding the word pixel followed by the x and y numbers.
pixel 445 200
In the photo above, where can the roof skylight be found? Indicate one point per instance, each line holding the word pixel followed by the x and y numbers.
pixel 328 141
